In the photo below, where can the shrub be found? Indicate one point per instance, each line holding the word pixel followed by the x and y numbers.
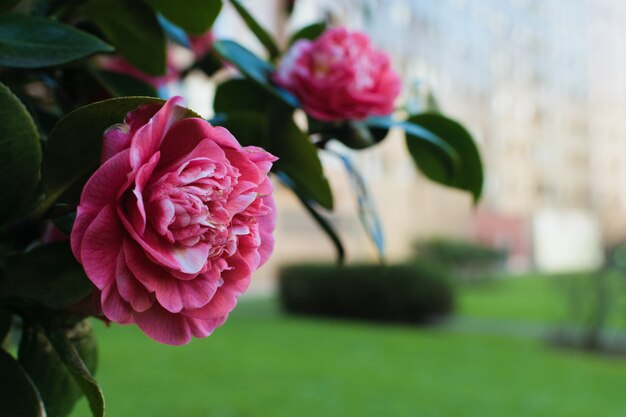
pixel 466 260
pixel 401 293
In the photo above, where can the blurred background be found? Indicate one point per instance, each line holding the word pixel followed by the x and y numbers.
pixel 526 291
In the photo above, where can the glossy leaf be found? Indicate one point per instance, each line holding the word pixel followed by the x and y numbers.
pixel 443 159
pixel 240 94
pixel 310 32
pixel 194 16
pixel 132 27
pixel 6 320
pixel 57 386
pixel 33 42
pixel 70 349
pixel 122 85
pixel 73 147
pixel 319 218
pixel 469 173
pixel 174 32
pixel 18 396
pixel 253 68
pixel 20 154
pixel 8 4
pixel 47 275
pixel 250 128
pixel 298 157
pixel 261 34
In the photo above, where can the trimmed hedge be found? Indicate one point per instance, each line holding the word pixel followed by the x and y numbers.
pixel 401 293
pixel 466 260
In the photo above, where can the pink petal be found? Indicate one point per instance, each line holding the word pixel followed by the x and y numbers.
pixel 84 217
pixel 106 183
pixel 116 138
pixel 204 328
pixel 163 326
pixel 222 303
pixel 267 224
pixel 114 307
pixel 129 288
pixel 141 180
pixel 101 246
pixel 148 138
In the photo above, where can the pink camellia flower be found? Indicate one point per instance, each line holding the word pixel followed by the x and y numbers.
pixel 173 223
pixel 339 76
pixel 122 66
pixel 201 44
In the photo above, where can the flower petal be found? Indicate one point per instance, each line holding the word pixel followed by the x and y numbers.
pixel 163 326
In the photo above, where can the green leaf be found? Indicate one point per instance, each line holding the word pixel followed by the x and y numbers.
pixel 174 32
pixel 253 68
pixel 194 16
pixel 261 34
pixel 77 350
pixel 47 275
pixel 298 157
pixel 74 145
pixel 132 27
pixel 241 95
pixel 20 154
pixel 56 385
pixel 18 396
pixel 8 4
pixel 319 218
pixel 6 320
pixel 310 32
pixel 249 128
pixel 122 85
pixel 469 173
pixel 210 63
pixel 33 42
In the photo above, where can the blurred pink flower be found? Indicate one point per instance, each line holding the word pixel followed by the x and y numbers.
pixel 174 222
pixel 339 76
pixel 121 65
pixel 201 44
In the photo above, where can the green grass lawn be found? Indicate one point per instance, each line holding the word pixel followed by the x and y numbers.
pixel 264 364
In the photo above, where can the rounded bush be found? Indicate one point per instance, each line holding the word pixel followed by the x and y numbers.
pixel 401 293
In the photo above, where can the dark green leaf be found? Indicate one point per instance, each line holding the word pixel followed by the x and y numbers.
pixel 250 128
pixel 8 4
pixel 48 275
pixel 132 27
pixel 6 319
pixel 122 85
pixel 194 16
pixel 254 68
pixel 173 32
pixel 73 147
pixel 18 396
pixel 469 173
pixel 319 218
pixel 261 34
pixel 312 31
pixel 32 42
pixel 65 222
pixel 70 346
pixel 57 386
pixel 298 157
pixel 20 154
pixel 240 94
pixel 210 63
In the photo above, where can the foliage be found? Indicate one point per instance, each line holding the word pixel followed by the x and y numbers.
pixel 402 293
